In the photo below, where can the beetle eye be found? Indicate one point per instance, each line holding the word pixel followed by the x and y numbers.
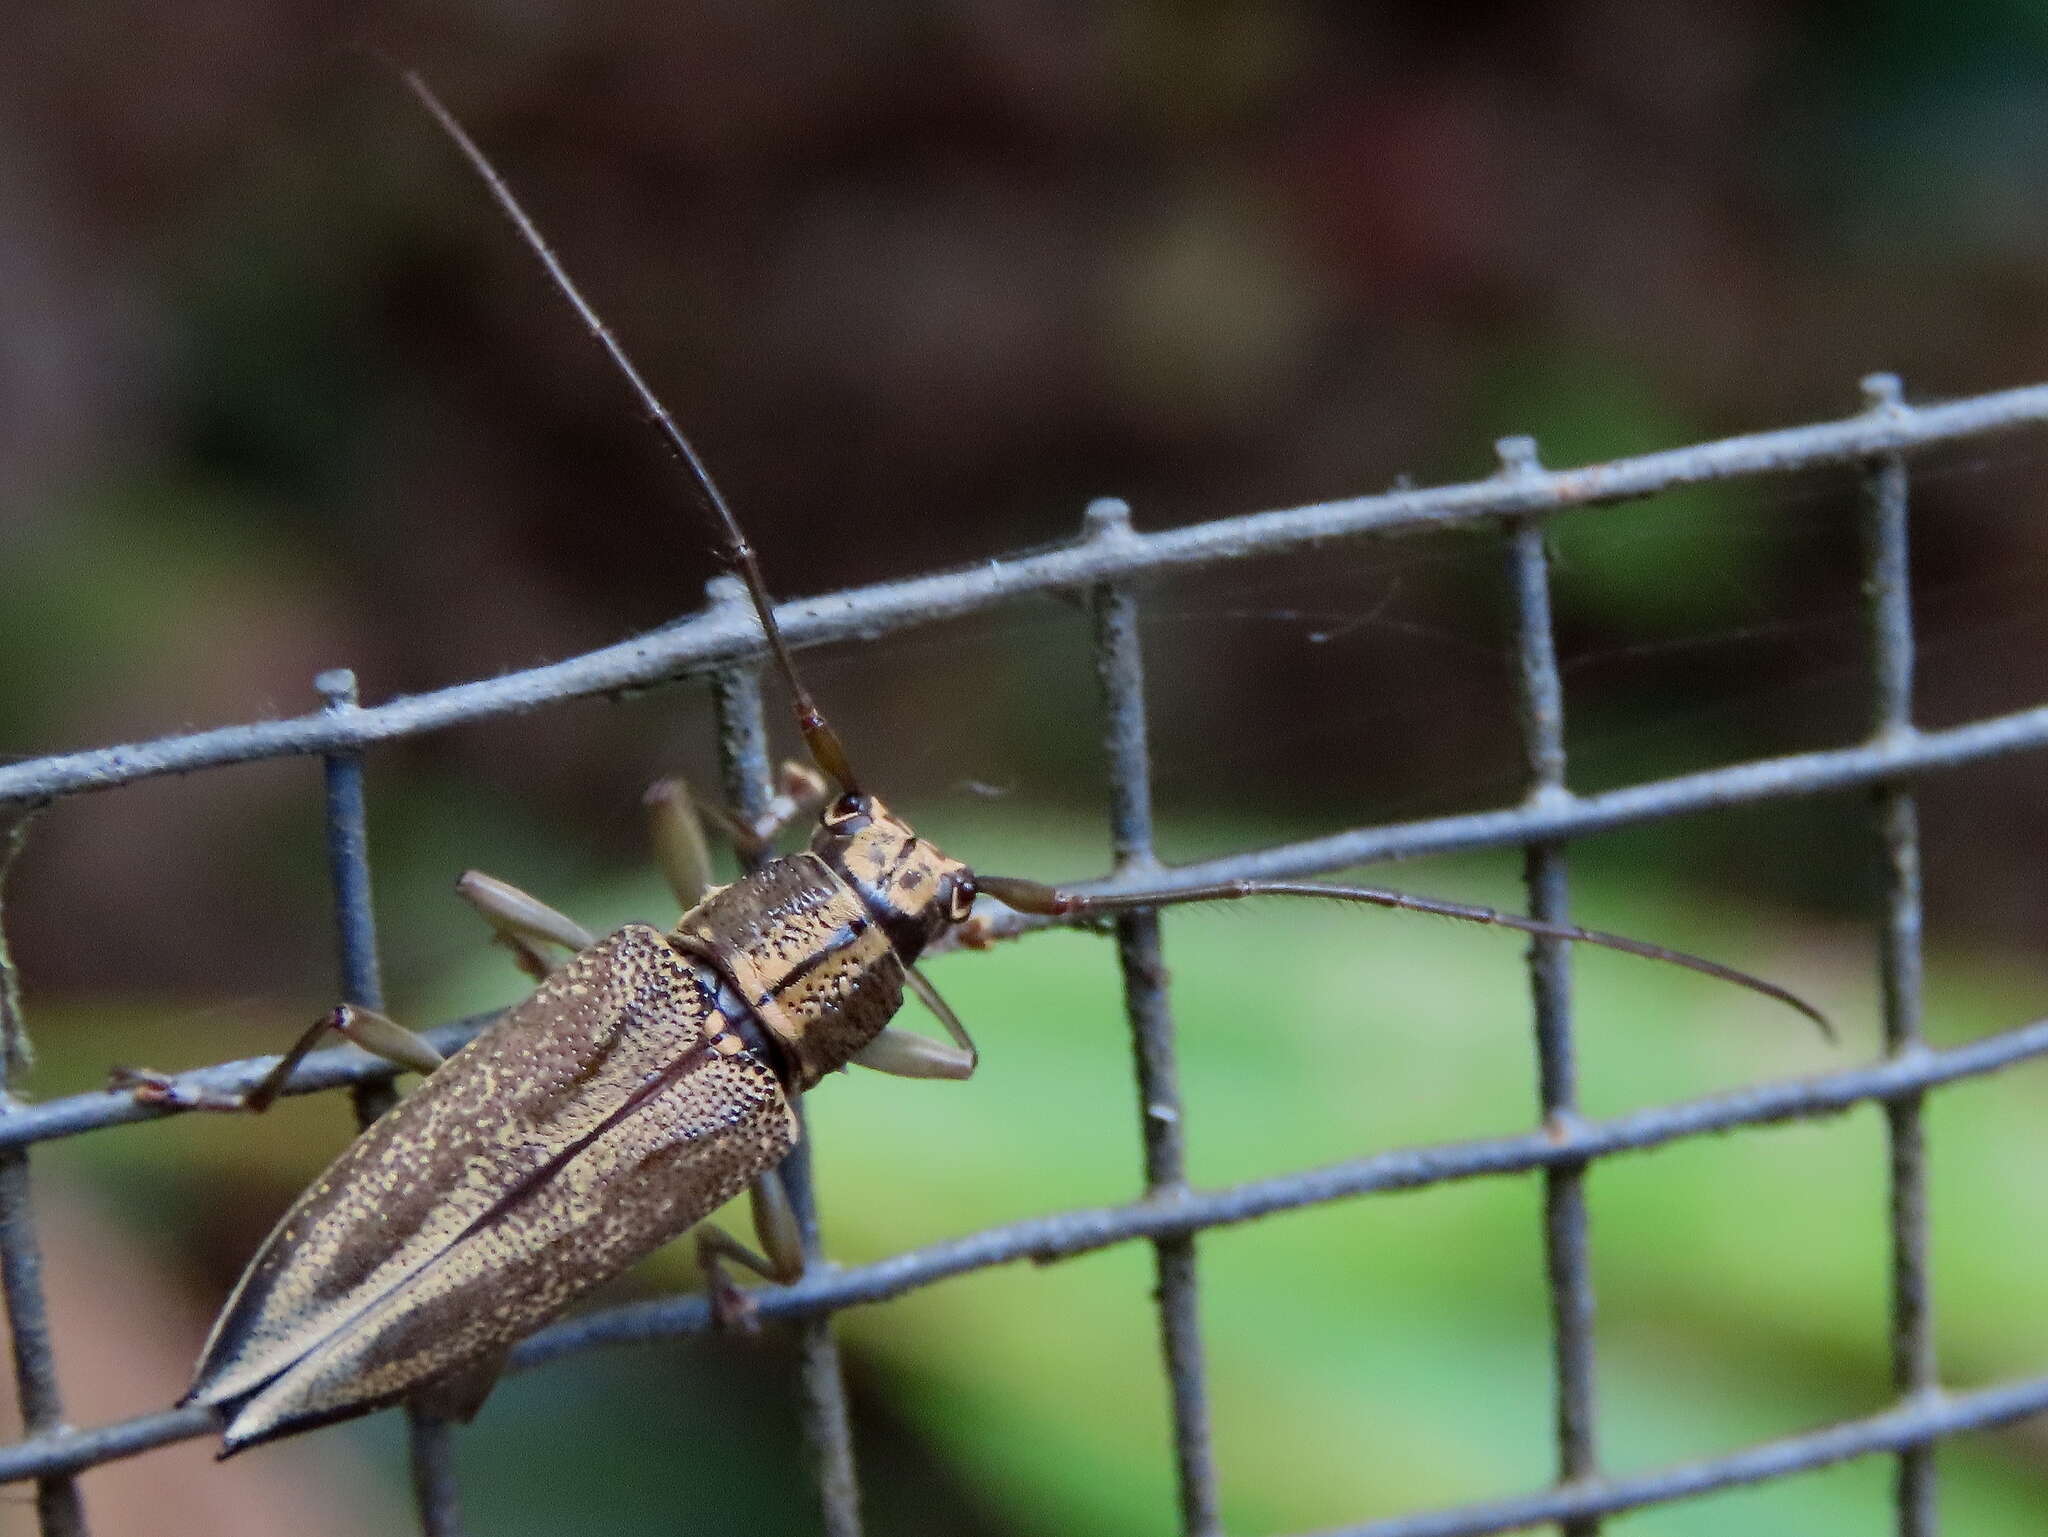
pixel 847 809
pixel 961 902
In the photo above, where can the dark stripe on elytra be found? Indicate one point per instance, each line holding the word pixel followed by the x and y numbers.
pixel 694 1060
pixel 249 1309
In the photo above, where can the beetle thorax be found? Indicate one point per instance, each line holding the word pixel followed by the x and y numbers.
pixel 908 886
pixel 817 944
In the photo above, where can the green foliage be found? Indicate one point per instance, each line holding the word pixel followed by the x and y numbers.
pixel 1367 1357
pixel 1382 1354
pixel 1671 565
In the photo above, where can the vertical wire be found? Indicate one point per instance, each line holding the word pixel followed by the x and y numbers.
pixel 1539 694
pixel 1119 667
pixel 1888 618
pixel 60 1509
pixel 430 1439
pixel 747 782
pixel 60 1512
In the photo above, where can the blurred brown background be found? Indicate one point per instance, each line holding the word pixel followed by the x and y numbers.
pixel 279 391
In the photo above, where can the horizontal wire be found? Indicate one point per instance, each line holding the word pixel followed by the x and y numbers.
pixel 728 632
pixel 1070 1233
pixel 338 1067
pixel 348 1067
pixel 1560 815
pixel 1915 1422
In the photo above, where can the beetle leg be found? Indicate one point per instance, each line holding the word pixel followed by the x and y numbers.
pixel 732 1310
pixel 150 1087
pixel 775 1225
pixel 370 1030
pixel 383 1037
pixel 459 1394
pixel 907 1054
pixel 522 921
pixel 800 790
pixel 678 835
pixel 677 823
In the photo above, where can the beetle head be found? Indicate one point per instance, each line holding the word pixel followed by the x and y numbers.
pixel 914 891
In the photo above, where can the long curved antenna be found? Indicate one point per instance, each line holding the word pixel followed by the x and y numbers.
pixel 825 747
pixel 1049 901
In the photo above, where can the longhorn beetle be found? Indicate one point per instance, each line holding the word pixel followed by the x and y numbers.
pixel 648 1080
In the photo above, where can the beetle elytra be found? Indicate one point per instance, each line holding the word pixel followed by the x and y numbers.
pixel 650 1078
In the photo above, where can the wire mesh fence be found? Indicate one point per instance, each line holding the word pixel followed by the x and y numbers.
pixel 722 644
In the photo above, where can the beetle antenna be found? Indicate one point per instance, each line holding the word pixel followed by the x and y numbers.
pixel 825 747
pixel 1050 901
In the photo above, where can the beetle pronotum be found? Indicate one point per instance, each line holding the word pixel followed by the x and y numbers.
pixel 648 1080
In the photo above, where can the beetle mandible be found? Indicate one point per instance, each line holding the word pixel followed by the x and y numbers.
pixel 650 1078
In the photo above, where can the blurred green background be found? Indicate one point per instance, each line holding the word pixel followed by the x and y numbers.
pixel 279 392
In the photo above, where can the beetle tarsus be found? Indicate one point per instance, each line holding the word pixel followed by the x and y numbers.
pixel 733 1309
pixel 162 1091
pixel 529 960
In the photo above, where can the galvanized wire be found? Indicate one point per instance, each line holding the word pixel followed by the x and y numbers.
pixel 747 778
pixel 1070 1233
pixel 724 635
pixel 1888 617
pixel 1539 695
pixel 59 1510
pixel 1162 1121
pixel 429 1439
pixel 1562 1148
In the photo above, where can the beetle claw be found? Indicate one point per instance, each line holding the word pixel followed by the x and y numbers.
pixel 161 1091
pixel 733 1310
pixel 524 956
pixel 148 1087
